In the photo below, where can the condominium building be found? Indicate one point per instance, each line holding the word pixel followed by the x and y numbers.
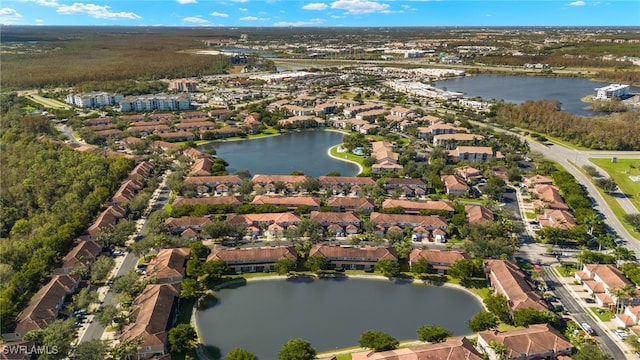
pixel 183 85
pixel 93 100
pixel 162 102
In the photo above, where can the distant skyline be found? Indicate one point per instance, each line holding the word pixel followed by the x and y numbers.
pixel 318 13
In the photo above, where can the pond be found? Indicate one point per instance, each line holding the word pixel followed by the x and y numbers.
pixel 305 151
pixel 330 314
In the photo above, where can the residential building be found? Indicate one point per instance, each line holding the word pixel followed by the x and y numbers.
pixel 440 260
pixel 432 227
pixel 630 317
pixel 451 349
pixel 561 219
pixel 508 279
pixel 169 265
pixel 415 207
pixel 178 225
pixel 161 102
pixel 183 85
pixel 353 258
pixel 92 100
pixel 44 306
pixel 451 141
pixel 472 153
pixel 455 186
pixel 342 223
pixel 478 214
pixel 253 259
pixel 201 167
pixel 341 204
pixel 292 202
pixel 80 256
pixel 234 201
pixel 539 341
pixel 155 311
pixel 601 281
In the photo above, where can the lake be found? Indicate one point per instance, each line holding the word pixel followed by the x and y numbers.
pixel 261 316
pixel 278 155
pixel 517 89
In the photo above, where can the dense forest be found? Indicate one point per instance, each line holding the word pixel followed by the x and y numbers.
pixel 49 194
pixel 103 56
pixel 616 132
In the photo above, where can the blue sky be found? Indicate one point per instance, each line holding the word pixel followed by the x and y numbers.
pixel 298 13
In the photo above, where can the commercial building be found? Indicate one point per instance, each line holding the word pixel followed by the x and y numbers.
pixel 611 91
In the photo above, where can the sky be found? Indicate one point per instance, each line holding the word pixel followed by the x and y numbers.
pixel 325 13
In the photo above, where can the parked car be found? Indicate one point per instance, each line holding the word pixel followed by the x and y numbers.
pixel 587 328
pixel 117 253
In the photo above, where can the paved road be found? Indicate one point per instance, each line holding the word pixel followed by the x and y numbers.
pixel 567 158
pixel 580 316
pixel 160 197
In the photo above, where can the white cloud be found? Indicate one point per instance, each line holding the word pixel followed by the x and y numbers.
pixel 52 3
pixel 337 17
pixel 359 6
pixel 9 16
pixel 253 18
pixel 315 6
pixel 239 1
pixel 577 3
pixel 96 11
pixel 242 9
pixel 196 20
pixel 311 22
pixel 183 2
pixel 215 13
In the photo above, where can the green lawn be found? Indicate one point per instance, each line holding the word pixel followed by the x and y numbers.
pixel 350 156
pixel 601 314
pixel 618 211
pixel 620 172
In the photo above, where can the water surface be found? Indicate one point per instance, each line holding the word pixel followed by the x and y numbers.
pixel 261 316
pixel 279 155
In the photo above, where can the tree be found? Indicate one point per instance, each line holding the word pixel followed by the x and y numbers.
pixel 297 349
pixel 433 333
pixel 633 220
pixel 378 341
pixel 199 251
pixel 84 298
pixel 284 265
pixel 484 320
pixel 101 268
pixel 240 354
pixel 58 335
pixel 589 351
pixel 191 289
pixel 529 316
pixel 126 284
pixel 465 269
pixel 388 267
pixel 608 185
pixel 182 338
pixel 499 306
pixel 421 267
pixel 107 315
pixel 317 263
pixel 91 350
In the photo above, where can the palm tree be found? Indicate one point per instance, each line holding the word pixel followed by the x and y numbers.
pixel 622 253
pixel 622 294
